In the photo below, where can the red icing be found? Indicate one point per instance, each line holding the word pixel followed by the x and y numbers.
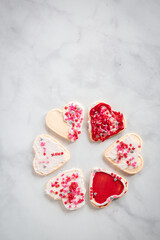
pixel 104 186
pixel 105 122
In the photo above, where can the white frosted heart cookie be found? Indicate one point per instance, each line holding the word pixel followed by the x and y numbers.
pixel 66 122
pixel 124 153
pixel 104 122
pixel 69 187
pixel 49 154
pixel 105 186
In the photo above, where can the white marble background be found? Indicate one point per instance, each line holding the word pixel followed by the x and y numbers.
pixel 52 52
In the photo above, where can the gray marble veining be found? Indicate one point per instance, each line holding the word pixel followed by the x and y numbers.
pixel 52 52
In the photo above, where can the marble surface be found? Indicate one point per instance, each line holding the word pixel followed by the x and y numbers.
pixel 52 52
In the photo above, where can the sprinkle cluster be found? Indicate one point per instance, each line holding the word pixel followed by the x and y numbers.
pixel 43 145
pixel 67 188
pixel 105 122
pixel 123 151
pixel 73 115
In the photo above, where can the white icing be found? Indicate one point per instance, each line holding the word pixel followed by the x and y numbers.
pixel 89 118
pixel 78 124
pixel 47 163
pixel 109 198
pixel 61 177
pixel 113 155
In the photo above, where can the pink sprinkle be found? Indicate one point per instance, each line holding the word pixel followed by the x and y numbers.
pixel 42 143
pixel 40 161
pixel 70 135
pixel 51 191
pixel 43 161
pixel 62 175
pixel 69 206
pixel 47 161
pixel 139 146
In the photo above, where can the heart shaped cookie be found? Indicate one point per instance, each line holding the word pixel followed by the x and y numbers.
pixel 105 187
pixel 69 187
pixel 66 122
pixel 124 153
pixel 49 154
pixel 104 122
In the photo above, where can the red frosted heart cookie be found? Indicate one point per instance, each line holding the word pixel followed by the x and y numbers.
pixel 69 187
pixel 105 187
pixel 104 123
pixel 66 122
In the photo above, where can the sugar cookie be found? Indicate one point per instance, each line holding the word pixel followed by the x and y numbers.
pixel 104 122
pixel 124 153
pixel 66 122
pixel 105 187
pixel 69 187
pixel 49 154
